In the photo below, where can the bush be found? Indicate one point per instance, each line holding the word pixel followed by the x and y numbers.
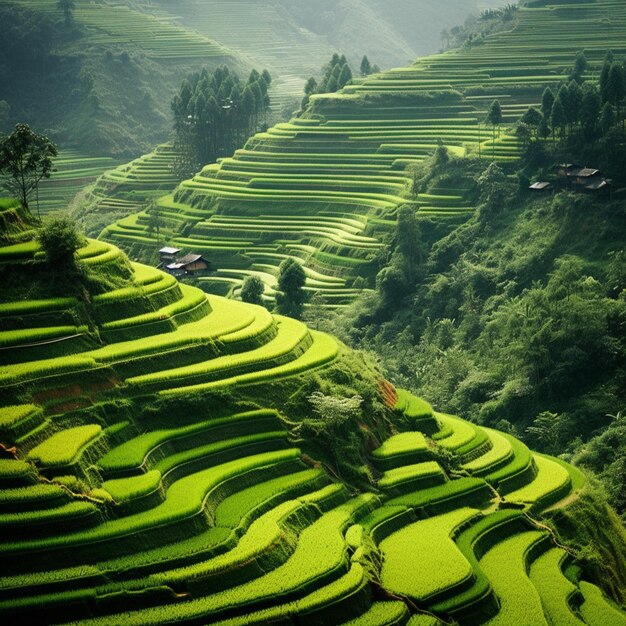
pixel 60 239
pixel 252 290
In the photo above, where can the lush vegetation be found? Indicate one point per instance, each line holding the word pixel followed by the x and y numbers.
pixel 238 501
pixel 169 455
pixel 214 114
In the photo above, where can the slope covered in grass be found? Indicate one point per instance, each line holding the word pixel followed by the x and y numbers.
pixel 326 186
pixel 169 468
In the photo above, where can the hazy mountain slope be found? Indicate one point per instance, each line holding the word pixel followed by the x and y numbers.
pixel 420 22
pixel 102 83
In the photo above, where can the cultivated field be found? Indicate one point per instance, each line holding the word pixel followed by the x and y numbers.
pixel 207 514
pixel 325 187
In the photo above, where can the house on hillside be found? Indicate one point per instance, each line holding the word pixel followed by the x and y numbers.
pixel 168 255
pixel 584 179
pixel 567 169
pixel 541 187
pixel 188 265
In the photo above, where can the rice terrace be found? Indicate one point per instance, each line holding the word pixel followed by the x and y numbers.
pixel 313 312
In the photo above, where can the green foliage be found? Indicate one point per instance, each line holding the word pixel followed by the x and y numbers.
pixel 214 113
pixel 366 67
pixel 67 7
pixel 26 159
pixel 291 282
pixel 492 184
pixel 60 240
pixel 336 75
pixel 252 290
pixel 335 412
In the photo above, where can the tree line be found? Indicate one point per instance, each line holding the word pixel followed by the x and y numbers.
pixel 336 74
pixel 214 114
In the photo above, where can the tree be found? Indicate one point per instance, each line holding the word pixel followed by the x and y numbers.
pixel 252 290
pixel 332 413
pixel 547 101
pixel 494 117
pixel 154 221
pixel 580 66
pixel 345 76
pixel 558 119
pixel 67 6
pixel 590 109
pixel 616 87
pixel 409 241
pixel 366 68
pixel 604 75
pixel 59 240
pixel 573 103
pixel 546 431
pixel 291 296
pixel 492 184
pixel 25 158
pixel 335 411
pixel 214 114
pixel 532 118
pixel 607 118
pixel 441 157
pixel 391 284
pixel 311 86
pixel 445 39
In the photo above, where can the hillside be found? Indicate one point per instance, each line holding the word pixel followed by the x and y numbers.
pixel 293 40
pixel 103 83
pixel 163 460
pixel 325 187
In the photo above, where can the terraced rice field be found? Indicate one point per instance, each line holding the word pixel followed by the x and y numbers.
pixel 113 23
pixel 265 34
pixel 325 187
pixel 203 516
pixel 131 186
pixel 74 171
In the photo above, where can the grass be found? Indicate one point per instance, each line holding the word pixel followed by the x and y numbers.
pixel 348 152
pixel 240 523
pixel 596 610
pixel 184 499
pixel 400 445
pixel 555 590
pixel 126 489
pixel 412 569
pixel 135 452
pixel 506 565
pixel 551 484
pixel 64 446
pixel 409 476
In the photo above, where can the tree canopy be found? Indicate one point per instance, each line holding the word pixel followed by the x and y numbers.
pixel 214 114
pixel 291 282
pixel 252 290
pixel 25 158
pixel 59 240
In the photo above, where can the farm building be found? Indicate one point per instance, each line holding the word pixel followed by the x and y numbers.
pixel 584 179
pixel 541 186
pixel 188 264
pixel 168 254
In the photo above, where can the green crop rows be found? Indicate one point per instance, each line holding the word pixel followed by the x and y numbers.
pixel 106 518
pixel 125 499
pixel 325 186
